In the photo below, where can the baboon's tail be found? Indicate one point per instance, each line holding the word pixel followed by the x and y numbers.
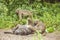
pixel 8 32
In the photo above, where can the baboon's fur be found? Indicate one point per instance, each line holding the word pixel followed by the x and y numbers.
pixel 23 13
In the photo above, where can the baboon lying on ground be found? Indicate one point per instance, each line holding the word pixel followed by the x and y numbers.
pixel 24 13
pixel 23 29
pixel 30 28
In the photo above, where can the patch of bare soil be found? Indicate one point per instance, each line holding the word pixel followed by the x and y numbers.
pixel 49 36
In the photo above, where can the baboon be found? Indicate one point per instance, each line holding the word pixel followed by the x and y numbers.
pixel 24 13
pixel 39 25
pixel 23 30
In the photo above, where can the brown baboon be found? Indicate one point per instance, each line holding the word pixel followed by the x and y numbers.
pixel 24 13
pixel 39 25
pixel 23 30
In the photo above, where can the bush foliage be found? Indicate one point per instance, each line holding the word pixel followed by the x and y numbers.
pixel 49 13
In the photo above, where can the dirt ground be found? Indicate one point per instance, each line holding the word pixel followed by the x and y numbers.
pixel 49 36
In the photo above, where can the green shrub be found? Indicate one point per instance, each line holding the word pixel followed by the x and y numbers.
pixel 46 12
